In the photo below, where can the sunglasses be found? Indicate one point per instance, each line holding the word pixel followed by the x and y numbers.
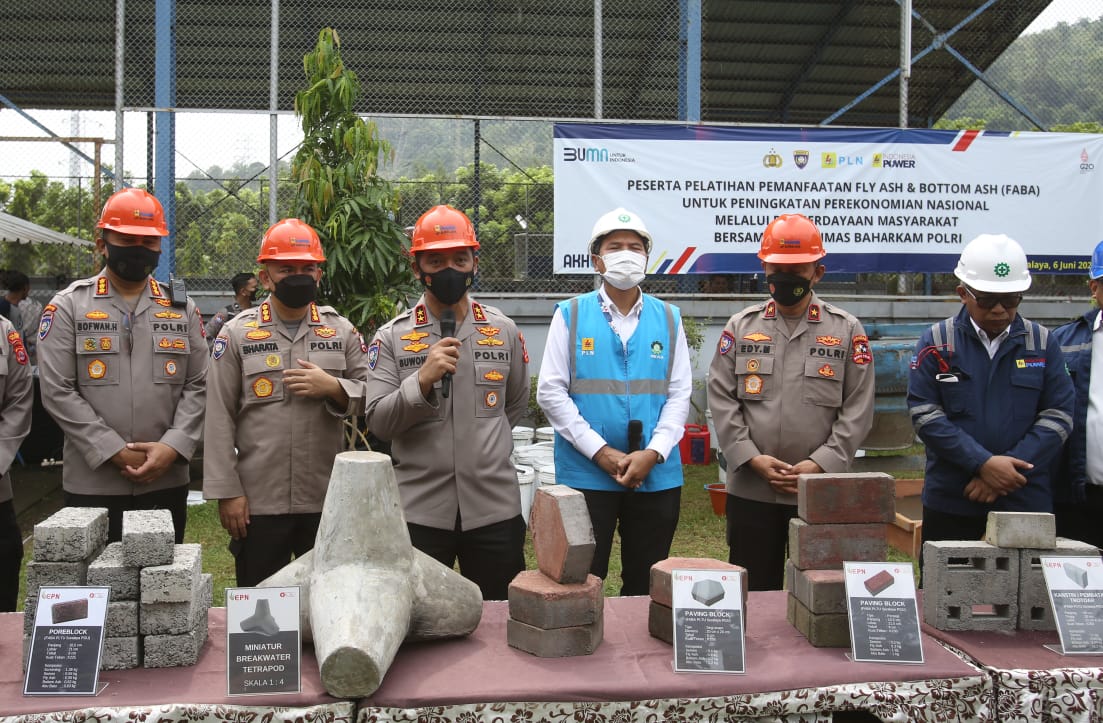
pixel 989 301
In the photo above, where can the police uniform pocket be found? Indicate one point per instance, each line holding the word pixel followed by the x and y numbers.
pixel 262 382
pixel 754 377
pixel 97 359
pixel 823 382
pixel 490 396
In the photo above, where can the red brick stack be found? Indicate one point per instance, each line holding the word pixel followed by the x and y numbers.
pixel 557 611
pixel 660 616
pixel 841 517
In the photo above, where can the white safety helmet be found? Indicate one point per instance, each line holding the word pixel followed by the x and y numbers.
pixel 619 219
pixel 995 263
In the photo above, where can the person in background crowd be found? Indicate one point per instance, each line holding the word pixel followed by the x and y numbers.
pixel 9 302
pixel 283 377
pixel 122 368
pixel 615 383
pixel 448 380
pixel 245 293
pixel 1080 506
pixel 15 422
pixel 791 392
pixel 24 309
pixel 990 398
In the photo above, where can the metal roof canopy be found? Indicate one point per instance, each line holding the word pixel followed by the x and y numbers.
pixel 796 62
pixel 17 230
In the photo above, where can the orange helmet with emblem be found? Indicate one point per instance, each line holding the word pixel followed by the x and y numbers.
pixel 134 211
pixel 290 240
pixel 791 238
pixel 443 227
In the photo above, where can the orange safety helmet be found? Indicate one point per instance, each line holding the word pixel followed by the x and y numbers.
pixel 791 238
pixel 443 227
pixel 290 240
pixel 134 211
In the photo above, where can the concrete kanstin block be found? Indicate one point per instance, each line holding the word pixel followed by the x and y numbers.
pixel 121 620
pixel 176 582
pixel 72 534
pixel 537 600
pixel 55 574
pixel 176 618
pixel 970 585
pixel 1035 611
pixel 562 535
pixel 851 498
pixel 661 584
pixel 660 622
pixel 108 570
pixel 1035 530
pixel 121 653
pixel 830 630
pixel 826 547
pixel 555 643
pixel 148 538
pixel 822 592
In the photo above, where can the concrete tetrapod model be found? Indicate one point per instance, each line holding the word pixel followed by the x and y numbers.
pixel 365 582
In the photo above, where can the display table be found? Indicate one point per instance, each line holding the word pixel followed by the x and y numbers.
pixel 630 677
pixel 195 694
pixel 1031 682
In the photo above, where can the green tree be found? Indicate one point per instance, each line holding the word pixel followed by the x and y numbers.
pixel 342 195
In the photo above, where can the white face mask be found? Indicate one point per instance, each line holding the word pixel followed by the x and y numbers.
pixel 624 269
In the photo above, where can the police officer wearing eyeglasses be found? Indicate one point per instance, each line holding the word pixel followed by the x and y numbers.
pixel 122 367
pixel 990 398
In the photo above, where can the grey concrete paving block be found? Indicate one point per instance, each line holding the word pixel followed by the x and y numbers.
pixel 1021 529
pixel 821 591
pixel 173 651
pixel 827 630
pixel 109 570
pixel 660 622
pixel 175 582
pixel 121 620
pixel 121 653
pixel 71 534
pixel 148 538
pixel 55 574
pixel 176 618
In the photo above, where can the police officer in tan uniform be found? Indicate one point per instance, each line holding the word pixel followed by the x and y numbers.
pixel 283 376
pixel 16 392
pixel 791 392
pixel 448 401
pixel 122 367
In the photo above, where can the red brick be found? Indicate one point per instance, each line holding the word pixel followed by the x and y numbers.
pixel 821 591
pixel 562 535
pixel 660 622
pixel 555 643
pixel 537 600
pixel 661 586
pixel 855 497
pixel 823 631
pixel 826 547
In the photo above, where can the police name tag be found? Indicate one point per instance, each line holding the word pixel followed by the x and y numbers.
pixel 263 640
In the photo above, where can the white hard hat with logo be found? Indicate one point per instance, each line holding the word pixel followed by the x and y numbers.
pixel 995 263
pixel 619 219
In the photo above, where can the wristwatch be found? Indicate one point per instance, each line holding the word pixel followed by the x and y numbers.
pixel 659 455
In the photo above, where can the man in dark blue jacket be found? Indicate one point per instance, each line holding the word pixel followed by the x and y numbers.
pixel 989 397
pixel 1081 468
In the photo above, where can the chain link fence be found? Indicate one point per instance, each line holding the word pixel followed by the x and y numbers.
pixel 433 77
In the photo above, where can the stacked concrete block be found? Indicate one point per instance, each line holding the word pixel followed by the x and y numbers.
pixel 997 584
pixel 64 546
pixel 840 517
pixel 557 611
pixel 157 611
pixel 660 615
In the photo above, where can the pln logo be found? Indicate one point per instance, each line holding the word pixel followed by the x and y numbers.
pixel 828 159
pixel 772 159
pixel 801 158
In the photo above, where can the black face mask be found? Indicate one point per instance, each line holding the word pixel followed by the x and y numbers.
pixel 448 285
pixel 296 291
pixel 132 263
pixel 788 289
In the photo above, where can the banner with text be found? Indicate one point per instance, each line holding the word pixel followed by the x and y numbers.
pixel 886 200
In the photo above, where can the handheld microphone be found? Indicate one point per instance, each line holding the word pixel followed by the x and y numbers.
pixel 635 435
pixel 447 328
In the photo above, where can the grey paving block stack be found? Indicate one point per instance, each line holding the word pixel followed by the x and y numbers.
pixel 997 584
pixel 841 517
pixel 157 614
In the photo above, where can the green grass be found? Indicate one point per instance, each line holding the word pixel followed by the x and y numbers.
pixel 701 533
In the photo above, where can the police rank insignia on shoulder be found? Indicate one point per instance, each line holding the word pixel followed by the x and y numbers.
pixel 813 312
pixel 421 315
pixel 363 344
pixel 219 348
pixel 17 347
pixel 477 312
pixel 524 349
pixel 727 341
pixel 770 312
pixel 860 352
